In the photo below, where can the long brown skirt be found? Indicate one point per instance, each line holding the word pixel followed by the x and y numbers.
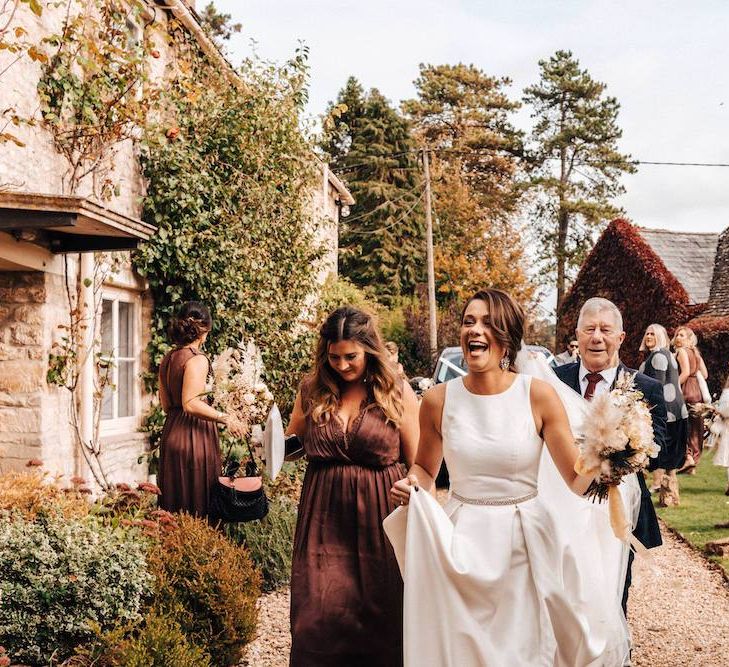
pixel 189 464
pixel 346 589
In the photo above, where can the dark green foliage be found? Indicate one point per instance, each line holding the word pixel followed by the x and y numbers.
pixel 382 244
pixel 270 541
pixel 229 184
pixel 157 642
pixel 576 163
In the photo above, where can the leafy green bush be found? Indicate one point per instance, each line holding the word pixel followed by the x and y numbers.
pixel 161 643
pixel 156 642
pixel 59 576
pixel 338 291
pixel 229 192
pixel 270 541
pixel 208 585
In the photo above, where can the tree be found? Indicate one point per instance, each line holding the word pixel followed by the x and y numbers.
pixel 382 245
pixel 462 114
pixel 576 163
pixel 217 24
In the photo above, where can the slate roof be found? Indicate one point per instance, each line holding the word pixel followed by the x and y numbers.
pixel 688 256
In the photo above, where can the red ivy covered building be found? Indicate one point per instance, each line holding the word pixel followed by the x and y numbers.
pixel 655 275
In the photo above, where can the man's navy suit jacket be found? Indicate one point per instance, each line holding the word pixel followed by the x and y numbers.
pixel 647 529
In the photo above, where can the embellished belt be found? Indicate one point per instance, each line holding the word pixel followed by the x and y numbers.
pixel 513 500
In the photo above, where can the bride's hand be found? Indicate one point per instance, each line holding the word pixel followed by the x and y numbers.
pixel 400 492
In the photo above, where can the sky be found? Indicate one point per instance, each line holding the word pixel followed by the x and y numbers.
pixel 666 62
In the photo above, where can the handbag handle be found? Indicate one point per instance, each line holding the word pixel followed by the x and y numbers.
pixel 251 466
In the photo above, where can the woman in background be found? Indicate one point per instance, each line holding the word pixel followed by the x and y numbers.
pixel 189 455
pixel 661 365
pixel 720 432
pixel 359 425
pixel 690 363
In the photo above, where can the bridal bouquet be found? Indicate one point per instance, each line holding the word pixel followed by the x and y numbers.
pixel 618 440
pixel 716 419
pixel 238 389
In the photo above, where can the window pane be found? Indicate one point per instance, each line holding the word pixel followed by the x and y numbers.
pixel 107 405
pixel 126 329
pixel 107 331
pixel 125 388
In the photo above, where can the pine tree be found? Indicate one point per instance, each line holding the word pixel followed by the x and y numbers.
pixel 464 116
pixel 382 244
pixel 576 163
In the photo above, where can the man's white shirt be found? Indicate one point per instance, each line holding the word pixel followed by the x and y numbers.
pixel 604 385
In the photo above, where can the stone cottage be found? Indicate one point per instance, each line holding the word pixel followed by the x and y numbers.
pixel 52 245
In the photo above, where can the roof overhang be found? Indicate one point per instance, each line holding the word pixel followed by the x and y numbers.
pixel 345 195
pixel 66 224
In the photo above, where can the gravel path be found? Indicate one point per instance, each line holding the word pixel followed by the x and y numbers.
pixel 679 614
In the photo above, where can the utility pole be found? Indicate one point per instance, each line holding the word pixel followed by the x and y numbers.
pixel 433 325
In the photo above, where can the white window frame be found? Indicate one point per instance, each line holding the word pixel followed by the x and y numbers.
pixel 119 425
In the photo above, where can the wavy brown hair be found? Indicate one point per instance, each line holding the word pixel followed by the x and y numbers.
pixel 321 387
pixel 506 318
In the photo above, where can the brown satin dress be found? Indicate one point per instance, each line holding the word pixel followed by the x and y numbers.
pixel 189 454
pixel 346 589
pixel 692 394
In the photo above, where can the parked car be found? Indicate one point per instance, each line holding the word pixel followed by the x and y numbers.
pixel 451 365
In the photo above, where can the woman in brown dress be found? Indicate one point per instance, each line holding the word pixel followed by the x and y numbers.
pixel 359 425
pixel 690 363
pixel 189 458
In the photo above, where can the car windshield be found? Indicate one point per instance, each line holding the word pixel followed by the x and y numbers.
pixel 452 365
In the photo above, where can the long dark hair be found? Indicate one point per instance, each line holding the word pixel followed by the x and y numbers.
pixel 192 321
pixel 322 383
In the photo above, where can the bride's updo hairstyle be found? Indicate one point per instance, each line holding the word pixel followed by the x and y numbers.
pixel 192 321
pixel 506 318
pixel 321 391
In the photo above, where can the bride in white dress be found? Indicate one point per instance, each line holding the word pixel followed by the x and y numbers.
pixel 508 573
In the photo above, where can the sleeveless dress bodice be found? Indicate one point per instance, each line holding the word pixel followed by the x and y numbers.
pixel 490 443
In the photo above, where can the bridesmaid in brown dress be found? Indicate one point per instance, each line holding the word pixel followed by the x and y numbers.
pixel 691 363
pixel 359 424
pixel 189 459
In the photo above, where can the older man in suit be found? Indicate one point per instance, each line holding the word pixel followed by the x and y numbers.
pixel 600 335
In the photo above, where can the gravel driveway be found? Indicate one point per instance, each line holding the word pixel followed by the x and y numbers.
pixel 679 614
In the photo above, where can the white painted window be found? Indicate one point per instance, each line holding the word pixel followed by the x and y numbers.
pixel 119 344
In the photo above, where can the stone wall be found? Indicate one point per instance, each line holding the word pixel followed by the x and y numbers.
pixel 25 412
pixel 35 417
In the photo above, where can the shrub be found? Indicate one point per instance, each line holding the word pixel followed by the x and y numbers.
pixel 158 642
pixel 270 541
pixel 408 326
pixel 208 585
pixel 33 493
pixel 59 576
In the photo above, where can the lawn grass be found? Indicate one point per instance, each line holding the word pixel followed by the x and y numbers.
pixel 703 504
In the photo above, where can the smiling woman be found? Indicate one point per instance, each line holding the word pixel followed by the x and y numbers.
pixel 359 424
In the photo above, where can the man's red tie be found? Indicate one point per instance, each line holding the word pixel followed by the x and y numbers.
pixel 593 379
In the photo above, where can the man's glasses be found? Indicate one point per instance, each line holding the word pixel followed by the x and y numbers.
pixel 574 347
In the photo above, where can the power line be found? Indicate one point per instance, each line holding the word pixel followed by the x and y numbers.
pixel 489 152
pixel 383 204
pixel 392 224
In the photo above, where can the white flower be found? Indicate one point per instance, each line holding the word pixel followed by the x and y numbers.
pixel 249 399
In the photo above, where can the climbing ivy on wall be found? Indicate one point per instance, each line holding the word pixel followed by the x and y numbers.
pixel 230 178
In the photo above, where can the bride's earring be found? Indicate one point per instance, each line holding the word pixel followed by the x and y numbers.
pixel 505 363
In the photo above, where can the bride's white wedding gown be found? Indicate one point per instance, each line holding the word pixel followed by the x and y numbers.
pixel 497 576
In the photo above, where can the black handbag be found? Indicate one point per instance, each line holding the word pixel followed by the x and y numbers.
pixel 239 499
